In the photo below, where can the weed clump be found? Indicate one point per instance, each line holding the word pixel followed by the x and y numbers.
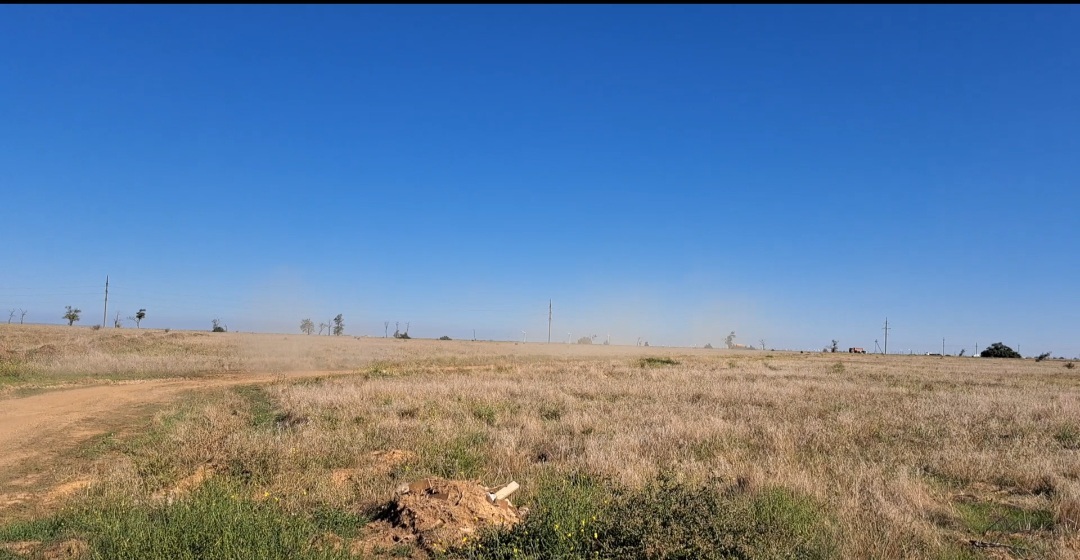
pixel 655 362
pixel 585 516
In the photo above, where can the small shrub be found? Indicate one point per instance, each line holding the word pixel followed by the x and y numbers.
pixel 444 337
pixel 96 327
pixel 653 362
pixel 1069 365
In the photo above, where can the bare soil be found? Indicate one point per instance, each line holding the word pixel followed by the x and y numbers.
pixel 38 431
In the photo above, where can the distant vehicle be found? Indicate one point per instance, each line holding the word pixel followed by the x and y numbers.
pixel 856 351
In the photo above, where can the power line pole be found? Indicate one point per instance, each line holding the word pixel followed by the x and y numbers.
pixel 549 321
pixel 105 314
pixel 943 346
pixel 886 329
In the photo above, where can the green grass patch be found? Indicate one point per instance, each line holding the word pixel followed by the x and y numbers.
pixel 485 413
pixel 983 517
pixel 216 521
pixel 261 410
pixel 461 457
pixel 585 517
pixel 657 362
pixel 561 524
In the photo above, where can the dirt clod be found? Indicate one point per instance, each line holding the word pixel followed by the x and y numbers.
pixel 442 514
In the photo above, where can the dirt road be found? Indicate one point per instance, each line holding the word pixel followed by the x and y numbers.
pixel 38 428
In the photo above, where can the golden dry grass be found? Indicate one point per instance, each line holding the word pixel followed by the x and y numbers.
pixel 899 449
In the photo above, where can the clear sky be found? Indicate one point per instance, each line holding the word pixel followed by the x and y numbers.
pixel 793 174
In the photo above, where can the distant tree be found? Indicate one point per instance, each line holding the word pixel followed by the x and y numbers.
pixel 71 315
pixel 729 340
pixel 1042 356
pixel 385 328
pixel 444 337
pixel 999 350
pixel 116 321
pixel 708 346
pixel 339 325
pixel 584 340
pixel 22 315
pixel 961 354
pixel 762 341
pixel 835 344
pixel 217 326
pixel 307 327
pixel 11 316
pixel 321 327
pixel 646 343
pixel 139 316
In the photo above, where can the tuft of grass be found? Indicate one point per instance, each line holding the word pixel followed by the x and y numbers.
pixel 655 362
pixel 551 411
pixel 461 457
pixel 485 413
pixel 1068 436
pixel 983 517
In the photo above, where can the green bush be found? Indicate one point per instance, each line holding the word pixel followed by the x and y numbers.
pixel 999 350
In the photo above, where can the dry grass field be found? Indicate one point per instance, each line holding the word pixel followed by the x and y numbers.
pixel 620 451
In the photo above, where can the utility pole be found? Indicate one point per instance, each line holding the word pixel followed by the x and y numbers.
pixel 549 321
pixel 943 346
pixel 886 329
pixel 105 314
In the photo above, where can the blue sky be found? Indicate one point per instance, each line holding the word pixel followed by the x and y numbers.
pixel 794 174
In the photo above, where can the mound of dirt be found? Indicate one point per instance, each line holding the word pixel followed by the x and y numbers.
pixel 439 514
